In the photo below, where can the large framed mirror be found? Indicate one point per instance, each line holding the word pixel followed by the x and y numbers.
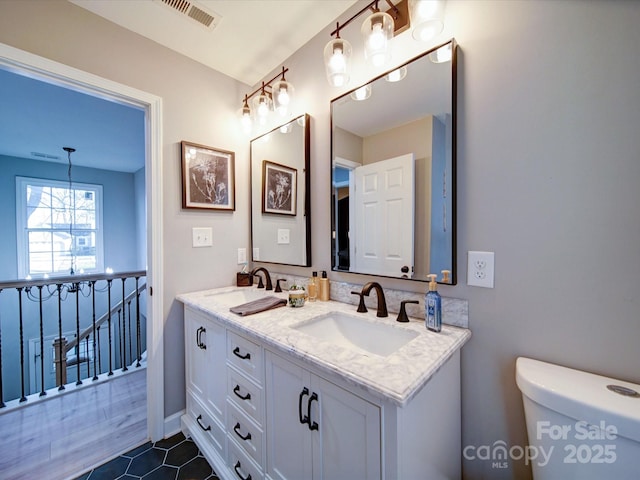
pixel 280 195
pixel 393 150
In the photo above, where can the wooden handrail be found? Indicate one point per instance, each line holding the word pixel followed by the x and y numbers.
pixel 87 331
pixel 71 279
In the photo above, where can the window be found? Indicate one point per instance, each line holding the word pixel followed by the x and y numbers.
pixel 59 229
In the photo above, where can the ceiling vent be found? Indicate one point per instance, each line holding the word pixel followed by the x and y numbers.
pixel 197 13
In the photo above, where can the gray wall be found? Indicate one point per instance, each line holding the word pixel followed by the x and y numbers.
pixel 548 175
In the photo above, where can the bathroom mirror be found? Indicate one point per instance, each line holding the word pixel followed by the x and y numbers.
pixel 393 150
pixel 280 195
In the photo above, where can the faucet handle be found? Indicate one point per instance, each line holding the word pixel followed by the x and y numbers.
pixel 278 287
pixel 361 307
pixel 260 284
pixel 402 314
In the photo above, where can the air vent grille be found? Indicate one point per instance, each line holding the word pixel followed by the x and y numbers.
pixel 200 16
pixel 45 155
pixel 197 13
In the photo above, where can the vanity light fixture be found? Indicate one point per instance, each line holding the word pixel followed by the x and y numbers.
pixel 396 75
pixel 271 96
pixel 442 55
pixel 427 18
pixel 362 93
pixel 378 30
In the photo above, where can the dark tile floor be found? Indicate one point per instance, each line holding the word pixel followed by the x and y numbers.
pixel 174 458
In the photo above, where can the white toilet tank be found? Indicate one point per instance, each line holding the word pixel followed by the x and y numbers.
pixel 580 425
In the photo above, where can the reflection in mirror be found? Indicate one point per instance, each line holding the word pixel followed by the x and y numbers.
pixel 393 172
pixel 280 220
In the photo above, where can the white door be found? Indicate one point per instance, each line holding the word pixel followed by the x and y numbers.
pixel 384 211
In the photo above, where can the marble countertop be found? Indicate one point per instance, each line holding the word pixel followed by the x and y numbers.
pixel 397 377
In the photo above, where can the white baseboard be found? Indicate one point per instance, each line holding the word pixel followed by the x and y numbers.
pixel 172 424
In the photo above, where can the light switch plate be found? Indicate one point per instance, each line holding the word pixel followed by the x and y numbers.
pixel 283 236
pixel 202 237
pixel 480 269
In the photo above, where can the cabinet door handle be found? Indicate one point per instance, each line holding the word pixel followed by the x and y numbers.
pixel 236 352
pixel 199 333
pixel 312 425
pixel 206 429
pixel 243 437
pixel 303 393
pixel 236 467
pixel 236 390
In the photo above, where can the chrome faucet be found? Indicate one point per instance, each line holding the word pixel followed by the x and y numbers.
pixel 267 277
pixel 382 303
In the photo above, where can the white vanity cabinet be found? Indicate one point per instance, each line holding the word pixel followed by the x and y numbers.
pixel 205 356
pixel 260 409
pixel 317 430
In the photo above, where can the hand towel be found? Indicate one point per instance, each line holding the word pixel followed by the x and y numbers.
pixel 260 305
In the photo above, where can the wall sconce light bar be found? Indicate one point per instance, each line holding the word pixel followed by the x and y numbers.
pixel 276 97
pixel 399 12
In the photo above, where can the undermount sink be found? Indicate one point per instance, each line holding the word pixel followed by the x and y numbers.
pixel 357 333
pixel 238 297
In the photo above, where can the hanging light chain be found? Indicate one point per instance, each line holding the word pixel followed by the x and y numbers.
pixel 69 151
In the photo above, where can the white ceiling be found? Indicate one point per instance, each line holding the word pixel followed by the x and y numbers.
pixel 247 40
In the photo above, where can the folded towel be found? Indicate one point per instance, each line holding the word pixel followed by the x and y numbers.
pixel 260 305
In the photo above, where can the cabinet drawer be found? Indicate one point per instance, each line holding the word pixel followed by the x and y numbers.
pixel 245 394
pixel 245 432
pixel 245 355
pixel 241 465
pixel 214 432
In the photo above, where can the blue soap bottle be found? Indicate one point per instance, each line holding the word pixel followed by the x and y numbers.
pixel 433 306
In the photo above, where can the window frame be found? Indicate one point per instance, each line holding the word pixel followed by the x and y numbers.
pixel 22 230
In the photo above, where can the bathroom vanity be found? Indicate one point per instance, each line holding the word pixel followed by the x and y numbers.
pixel 319 392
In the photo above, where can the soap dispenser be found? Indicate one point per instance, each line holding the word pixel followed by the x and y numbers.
pixel 433 306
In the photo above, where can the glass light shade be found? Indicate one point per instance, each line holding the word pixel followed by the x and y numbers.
pixel 261 107
pixel 396 75
pixel 337 56
pixel 361 93
pixel 282 92
pixel 246 122
pixel 377 32
pixel 426 18
pixel 442 55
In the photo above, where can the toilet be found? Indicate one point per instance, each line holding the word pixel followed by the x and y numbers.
pixel 580 425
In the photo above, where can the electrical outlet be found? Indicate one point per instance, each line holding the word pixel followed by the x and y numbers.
pixel 283 236
pixel 480 269
pixel 242 256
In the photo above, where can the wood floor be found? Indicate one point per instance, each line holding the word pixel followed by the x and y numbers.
pixel 68 434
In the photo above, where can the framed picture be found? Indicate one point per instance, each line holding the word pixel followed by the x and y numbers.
pixel 208 178
pixel 278 188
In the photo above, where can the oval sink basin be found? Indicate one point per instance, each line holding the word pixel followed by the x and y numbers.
pixel 357 333
pixel 238 297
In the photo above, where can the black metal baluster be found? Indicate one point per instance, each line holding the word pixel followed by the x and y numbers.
pixel 124 328
pixel 119 342
pixel 76 287
pixel 129 321
pixel 2 405
pixel 42 392
pixel 86 349
pixel 99 355
pixel 23 398
pixel 59 290
pixel 109 324
pixel 92 290
pixel 139 347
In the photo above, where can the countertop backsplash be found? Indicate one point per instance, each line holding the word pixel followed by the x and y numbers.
pixel 455 311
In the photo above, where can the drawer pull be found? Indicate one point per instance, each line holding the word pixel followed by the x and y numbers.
pixel 236 467
pixel 312 425
pixel 206 429
pixel 246 356
pixel 199 333
pixel 236 390
pixel 243 437
pixel 303 393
